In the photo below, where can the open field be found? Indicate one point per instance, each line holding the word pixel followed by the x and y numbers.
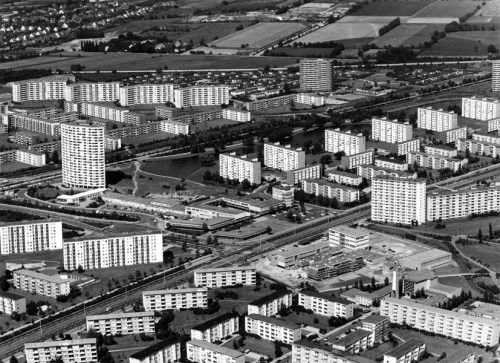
pixel 368 19
pixel 456 47
pixel 142 61
pixel 137 26
pixel 484 37
pixel 389 8
pixel 447 9
pixel 258 35
pixel 491 9
pixel 487 253
pixel 424 35
pixel 461 226
pixel 338 31
pixel 302 52
pixel 398 35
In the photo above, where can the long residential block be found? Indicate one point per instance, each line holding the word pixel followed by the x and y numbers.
pixel 232 166
pixel 226 276
pixel 201 96
pixel 175 299
pixel 46 88
pixel 30 236
pixel 479 147
pixel 435 161
pixel 269 305
pixel 326 305
pixel 112 251
pixel 69 351
pixel 331 190
pixel 371 171
pixel 480 108
pixel 408 352
pixel 199 351
pixel 216 329
pixel 122 323
pixel 41 284
pixel 140 94
pixel 272 329
pixel 440 321
pixel 351 161
pixel 165 351
pixel 92 92
pixel 308 172
pixel 306 351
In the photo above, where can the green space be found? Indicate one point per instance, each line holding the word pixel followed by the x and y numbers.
pixel 466 285
pixel 487 253
pixel 391 8
pixel 456 47
pixel 461 226
pixel 259 346
pixel 378 351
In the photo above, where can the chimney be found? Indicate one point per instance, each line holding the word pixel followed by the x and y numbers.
pixel 395 281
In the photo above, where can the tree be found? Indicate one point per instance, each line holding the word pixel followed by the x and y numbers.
pixel 491 231
pixel 4 284
pixel 374 285
pixel 31 308
pixel 269 229
pixel 235 344
pixel 245 184
pixel 326 159
pixel 277 350
pixel 386 281
pixel 480 236
pixel 13 360
pixel 492 48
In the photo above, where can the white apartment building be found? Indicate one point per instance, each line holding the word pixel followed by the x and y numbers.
pixel 336 141
pixel 398 200
pixel 283 157
pixel 236 115
pixel 440 321
pixel 435 161
pixel 216 329
pixel 451 136
pixel 35 124
pixel 92 92
pixel 495 77
pixel 175 299
pixel 391 163
pixel 272 329
pixel 308 172
pixel 405 147
pixel 41 284
pixel 112 251
pixel 326 305
pixel 30 236
pixel 122 323
pixel 490 138
pixel 449 204
pixel 284 194
pixel 174 127
pixel 46 88
pixel 408 352
pixel 480 108
pixel 237 167
pixel 83 161
pixel 12 303
pixel 199 351
pixel 201 96
pixel 441 150
pixel 104 111
pixel 312 99
pixel 165 351
pixel 225 276
pixel 270 304
pixel 479 147
pixel 306 351
pixel 70 351
pixel 351 161
pixel 343 177
pixel 140 94
pixel 316 74
pixel 331 190
pixel 436 120
pixel 348 238
pixel 391 131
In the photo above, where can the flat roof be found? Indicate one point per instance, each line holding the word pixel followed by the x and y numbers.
pixel 355 232
pixel 429 255
pixel 390 160
pixel 59 343
pixel 315 166
pixel 352 337
pixel 267 298
pixel 335 299
pixel 442 147
pixel 225 269
pixel 330 184
pixel 343 173
pixel 274 321
pixel 217 320
pixel 413 181
pixel 486 308
pixel 389 170
pixel 141 355
pixel 404 348
pixel 456 355
pixel 487 143
pixel 34 221
pixel 374 319
pixel 473 189
pixel 292 251
pixel 136 314
pixel 11 296
pixel 112 235
pixel 418 276
pixel 38 275
pixel 216 348
pixel 175 291
pixel 360 153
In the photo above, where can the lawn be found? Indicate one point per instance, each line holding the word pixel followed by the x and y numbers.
pixel 392 8
pixel 398 35
pixel 486 37
pixel 486 253
pixel 212 124
pixel 378 351
pixel 447 9
pixel 259 346
pixel 462 226
pixel 451 47
pixel 179 168
pixel 141 61
pixel 338 31
pixel 258 35
pixel 466 285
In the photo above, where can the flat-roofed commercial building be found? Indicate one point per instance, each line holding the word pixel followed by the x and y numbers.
pixel 199 351
pixel 331 190
pixel 391 131
pixel 165 351
pixel 232 166
pixel 284 158
pixel 70 351
pixel 427 260
pixel 272 329
pixel 30 236
pixel 175 299
pixel 289 256
pixel 41 284
pixel 225 276
pixel 326 305
pixel 336 141
pixel 348 238
pixel 12 303
pixel 396 200
pixel 450 204
pixel 294 177
pixel 269 305
pixel 264 103
pixel 480 108
pixel 351 161
pixel 216 329
pixel 122 323
pixel 112 251
pixel 436 120
pixel 409 351
pixel 440 321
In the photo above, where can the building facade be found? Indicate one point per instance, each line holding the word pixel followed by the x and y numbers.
pixel 140 94
pixel 269 305
pixel 436 120
pixel 336 141
pixel 216 329
pixel 352 161
pixel 122 323
pixel 175 299
pixel 348 238
pixel 391 131
pixel 331 190
pixel 199 351
pixel 165 351
pixel 201 96
pixel 12 303
pixel 326 305
pixel 30 236
pixel 228 276
pixel 41 284
pixel 284 157
pixel 70 351
pixel 232 166
pixel 272 329
pixel 316 74
pixel 294 177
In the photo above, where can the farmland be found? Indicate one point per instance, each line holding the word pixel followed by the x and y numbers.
pixel 368 19
pixel 484 37
pixel 398 35
pixel 392 8
pixel 338 31
pixel 141 61
pixel 258 35
pixel 447 9
pixel 453 47
pixel 302 52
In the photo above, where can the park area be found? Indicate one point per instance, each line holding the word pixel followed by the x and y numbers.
pixel 488 253
pixel 258 35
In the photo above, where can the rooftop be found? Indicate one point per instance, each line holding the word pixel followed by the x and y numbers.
pixel 486 309
pixel 137 314
pixel 351 338
pixel 37 275
pixel 217 320
pixel 216 348
pixel 175 291
pixel 112 235
pixel 274 321
pixel 22 223
pixel 267 298
pixel 292 251
pixel 59 343
pixel 473 189
pixel 404 348
pixel 419 276
pixel 442 147
pixel 342 173
pixel 374 319
pixel 354 232
pixel 141 355
pixel 390 160
pixel 225 269
pixel 11 296
pixel 330 184
pixel 334 299
pixel 428 255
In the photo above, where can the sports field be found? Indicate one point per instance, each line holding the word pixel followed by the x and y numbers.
pixel 338 31
pixel 258 35
pixel 391 8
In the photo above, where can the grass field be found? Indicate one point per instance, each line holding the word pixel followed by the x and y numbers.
pixel 484 37
pixel 258 35
pixel 487 253
pixel 368 19
pixel 141 61
pixel 491 9
pixel 398 35
pixel 338 31
pixel 389 8
pixel 447 9
pixel 302 52
pixel 459 47
pixel 462 226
